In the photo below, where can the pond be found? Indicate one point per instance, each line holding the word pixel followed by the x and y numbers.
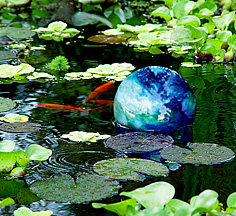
pixel 214 86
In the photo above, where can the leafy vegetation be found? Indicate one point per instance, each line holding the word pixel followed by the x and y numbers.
pixel 157 199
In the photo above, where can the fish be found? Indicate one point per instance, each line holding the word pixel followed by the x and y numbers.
pixel 100 90
pixel 66 107
pixel 103 102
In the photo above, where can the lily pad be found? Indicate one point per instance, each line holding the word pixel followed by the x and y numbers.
pixel 13 117
pixel 139 142
pixel 6 104
pixel 202 153
pixel 111 39
pixel 16 33
pixel 63 188
pixel 6 55
pixel 129 168
pixel 20 127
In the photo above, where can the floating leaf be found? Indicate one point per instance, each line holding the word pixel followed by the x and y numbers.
pixel 16 33
pixel 82 136
pixel 190 64
pixel 201 153
pixel 6 202
pixel 6 55
pixel 63 188
pixel 110 39
pixel 6 104
pixel 153 195
pixel 129 168
pixel 37 152
pixel 139 142
pixel 20 127
pixel 12 117
pixel 24 211
pixel 7 145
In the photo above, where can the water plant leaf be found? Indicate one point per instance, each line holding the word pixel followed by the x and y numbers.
pixel 20 127
pixel 57 26
pixel 189 20
pixel 153 195
pixel 82 136
pixel 18 172
pixel 162 12
pixel 13 117
pixel 119 208
pixel 6 202
pixel 139 142
pixel 129 168
pixel 160 211
pixel 16 33
pixel 110 39
pixel 222 22
pixel 202 153
pixel 231 200
pixel 6 104
pixel 6 56
pixel 206 199
pixel 83 18
pixel 37 152
pixel 7 145
pixel 176 204
pixel 182 8
pixel 24 211
pixel 63 188
pixel 181 35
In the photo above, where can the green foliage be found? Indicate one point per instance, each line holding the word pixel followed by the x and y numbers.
pixel 157 199
pixel 14 163
pixel 14 118
pixel 23 211
pixel 58 66
pixel 6 202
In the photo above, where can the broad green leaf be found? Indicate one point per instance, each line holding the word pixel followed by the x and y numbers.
pixel 119 208
pixel 223 35
pixel 223 21
pixel 8 160
pixel 57 26
pixel 205 12
pixel 189 20
pixel 217 43
pixel 64 188
pixel 208 48
pixel 83 18
pixel 175 204
pixel 12 117
pixel 187 211
pixel 129 168
pixel 232 41
pixel 153 195
pixel 206 199
pixel 231 200
pixel 160 211
pixel 162 12
pixel 210 27
pixel 7 145
pixel 37 152
pixel 18 172
pixel 6 202
pixel 169 3
pixel 146 37
pixel 16 33
pixel 181 35
pixel 182 8
pixel 209 5
pixel 22 159
pixel 6 104
pixel 24 211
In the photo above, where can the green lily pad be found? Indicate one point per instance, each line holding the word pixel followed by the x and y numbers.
pixel 16 33
pixel 202 153
pixel 20 127
pixel 6 104
pixel 6 55
pixel 129 168
pixel 111 39
pixel 139 142
pixel 86 188
pixel 13 117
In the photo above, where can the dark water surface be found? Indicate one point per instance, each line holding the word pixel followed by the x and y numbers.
pixel 215 90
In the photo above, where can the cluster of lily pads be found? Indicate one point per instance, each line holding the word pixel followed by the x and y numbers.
pixel 157 199
pixel 189 27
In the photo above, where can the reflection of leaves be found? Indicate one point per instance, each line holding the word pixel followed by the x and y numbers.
pixel 128 168
pixel 64 189
pixel 201 153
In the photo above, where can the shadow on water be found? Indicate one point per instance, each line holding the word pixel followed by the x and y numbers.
pixel 215 90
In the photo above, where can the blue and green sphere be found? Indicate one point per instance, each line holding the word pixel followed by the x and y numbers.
pixel 154 98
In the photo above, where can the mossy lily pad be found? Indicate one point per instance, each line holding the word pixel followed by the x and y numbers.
pixel 20 127
pixel 139 142
pixel 86 188
pixel 6 104
pixel 129 168
pixel 16 33
pixel 202 153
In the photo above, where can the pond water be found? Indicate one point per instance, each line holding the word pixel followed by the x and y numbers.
pixel 214 87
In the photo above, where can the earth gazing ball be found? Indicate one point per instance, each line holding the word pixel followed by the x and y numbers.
pixel 154 98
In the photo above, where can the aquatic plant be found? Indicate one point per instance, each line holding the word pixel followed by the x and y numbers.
pixel 26 211
pixel 56 31
pixel 12 117
pixel 82 136
pixel 157 199
pixel 14 163
pixel 6 104
pixel 6 202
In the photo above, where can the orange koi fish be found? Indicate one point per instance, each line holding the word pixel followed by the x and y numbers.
pixel 100 90
pixel 102 102
pixel 65 107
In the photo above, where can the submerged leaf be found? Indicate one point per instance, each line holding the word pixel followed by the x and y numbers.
pixel 63 188
pixel 20 127
pixel 6 104
pixel 129 168
pixel 201 153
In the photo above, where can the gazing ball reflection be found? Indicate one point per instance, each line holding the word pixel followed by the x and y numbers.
pixel 154 98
